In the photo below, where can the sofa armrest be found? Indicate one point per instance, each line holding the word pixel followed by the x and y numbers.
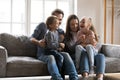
pixel 111 50
pixel 3 61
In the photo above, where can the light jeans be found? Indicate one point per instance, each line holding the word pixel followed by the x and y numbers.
pixel 68 65
pixel 91 51
pixel 78 51
pixel 99 63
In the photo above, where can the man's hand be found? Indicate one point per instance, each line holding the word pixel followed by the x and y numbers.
pixel 42 43
pixel 38 42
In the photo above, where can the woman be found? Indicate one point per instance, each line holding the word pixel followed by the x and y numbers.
pixel 72 28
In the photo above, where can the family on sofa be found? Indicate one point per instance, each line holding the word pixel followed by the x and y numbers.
pixel 18 56
pixel 71 35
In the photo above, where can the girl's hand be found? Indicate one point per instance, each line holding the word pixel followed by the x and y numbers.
pixel 81 39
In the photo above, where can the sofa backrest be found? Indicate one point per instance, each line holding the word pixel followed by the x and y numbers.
pixel 111 50
pixel 17 45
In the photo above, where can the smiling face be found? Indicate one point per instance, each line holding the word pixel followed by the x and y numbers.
pixel 74 25
pixel 54 25
pixel 85 23
pixel 60 17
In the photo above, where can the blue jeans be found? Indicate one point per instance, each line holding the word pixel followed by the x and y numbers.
pixel 99 63
pixel 68 65
pixel 91 51
pixel 58 57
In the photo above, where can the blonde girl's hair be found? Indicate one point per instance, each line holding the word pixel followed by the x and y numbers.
pixel 92 28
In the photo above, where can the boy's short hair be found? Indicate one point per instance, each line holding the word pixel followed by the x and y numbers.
pixel 59 11
pixel 50 20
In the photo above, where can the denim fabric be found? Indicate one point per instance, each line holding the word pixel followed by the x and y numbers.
pixel 68 65
pixel 51 64
pixel 58 57
pixel 99 63
pixel 91 54
pixel 84 62
pixel 91 51
pixel 78 51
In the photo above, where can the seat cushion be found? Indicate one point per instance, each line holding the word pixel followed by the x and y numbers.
pixel 112 65
pixel 25 66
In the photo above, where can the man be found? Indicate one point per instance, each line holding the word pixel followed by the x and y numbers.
pixel 68 65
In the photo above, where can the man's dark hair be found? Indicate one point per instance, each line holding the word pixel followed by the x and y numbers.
pixel 58 11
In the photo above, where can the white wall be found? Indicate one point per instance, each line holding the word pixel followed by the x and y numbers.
pixel 95 10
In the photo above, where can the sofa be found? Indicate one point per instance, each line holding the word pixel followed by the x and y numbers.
pixel 18 57
pixel 112 57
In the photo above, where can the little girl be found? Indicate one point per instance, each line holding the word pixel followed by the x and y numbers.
pixel 87 41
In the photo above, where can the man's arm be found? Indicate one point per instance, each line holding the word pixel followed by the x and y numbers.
pixel 38 35
pixel 38 42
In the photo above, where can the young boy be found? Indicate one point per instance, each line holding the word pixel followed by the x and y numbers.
pixel 54 40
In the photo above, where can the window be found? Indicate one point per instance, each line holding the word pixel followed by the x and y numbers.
pixel 22 16
pixel 12 16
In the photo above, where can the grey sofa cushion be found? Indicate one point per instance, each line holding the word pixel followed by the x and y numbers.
pixel 111 50
pixel 25 66
pixel 112 65
pixel 17 45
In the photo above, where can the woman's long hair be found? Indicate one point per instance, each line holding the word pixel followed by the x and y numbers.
pixel 68 35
